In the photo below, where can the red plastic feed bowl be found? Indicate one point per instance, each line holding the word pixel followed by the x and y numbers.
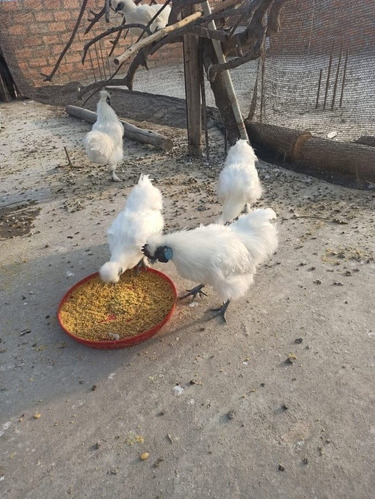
pixel 126 342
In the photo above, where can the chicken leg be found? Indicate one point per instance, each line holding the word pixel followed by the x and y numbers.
pixel 197 290
pixel 222 310
pixel 115 178
pixel 141 265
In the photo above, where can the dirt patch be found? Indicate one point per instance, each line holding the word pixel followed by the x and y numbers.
pixel 18 220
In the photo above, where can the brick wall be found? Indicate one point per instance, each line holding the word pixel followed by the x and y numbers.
pixel 34 32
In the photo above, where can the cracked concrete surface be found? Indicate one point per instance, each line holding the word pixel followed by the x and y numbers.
pixel 276 403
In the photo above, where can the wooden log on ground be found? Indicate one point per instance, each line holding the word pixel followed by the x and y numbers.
pixel 342 162
pixel 367 140
pixel 130 131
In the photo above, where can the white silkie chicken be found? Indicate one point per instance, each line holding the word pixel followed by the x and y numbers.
pixel 140 220
pixel 104 144
pixel 225 257
pixel 142 14
pixel 238 183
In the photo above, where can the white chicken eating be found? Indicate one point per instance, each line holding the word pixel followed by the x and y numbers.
pixel 225 257
pixel 238 183
pixel 104 144
pixel 142 14
pixel 140 220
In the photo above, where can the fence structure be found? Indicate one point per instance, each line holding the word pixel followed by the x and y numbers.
pixel 317 73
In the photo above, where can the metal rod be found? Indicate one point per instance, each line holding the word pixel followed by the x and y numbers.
pixel 92 65
pixel 336 79
pixel 253 103
pixel 318 93
pixel 328 75
pixel 98 63
pixel 102 58
pixel 263 58
pixel 344 78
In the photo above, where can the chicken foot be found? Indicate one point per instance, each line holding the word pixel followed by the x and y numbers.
pixel 197 290
pixel 222 310
pixel 115 178
pixel 141 265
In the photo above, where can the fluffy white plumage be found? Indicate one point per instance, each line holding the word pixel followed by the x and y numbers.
pixel 238 183
pixel 140 219
pixel 104 144
pixel 142 14
pixel 225 257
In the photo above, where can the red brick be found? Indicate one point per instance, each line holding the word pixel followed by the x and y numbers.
pixel 73 58
pixel 51 39
pixel 70 4
pixel 38 62
pixel 66 68
pixel 43 16
pixel 57 48
pixel 57 27
pixel 10 6
pixel 18 29
pixel 63 15
pixel 34 41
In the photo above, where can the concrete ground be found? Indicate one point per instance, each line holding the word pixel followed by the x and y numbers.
pixel 277 403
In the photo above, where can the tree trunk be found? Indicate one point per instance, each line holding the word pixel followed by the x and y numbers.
pixel 343 162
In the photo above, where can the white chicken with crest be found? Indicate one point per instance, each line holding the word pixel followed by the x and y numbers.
pixel 238 185
pixel 140 220
pixel 104 144
pixel 225 257
pixel 142 14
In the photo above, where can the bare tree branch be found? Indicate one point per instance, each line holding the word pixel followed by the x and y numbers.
pixel 170 29
pixel 109 32
pixel 117 39
pixel 95 19
pixel 48 78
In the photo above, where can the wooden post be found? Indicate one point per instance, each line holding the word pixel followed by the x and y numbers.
pixel 344 77
pixel 262 80
pixel 328 75
pixel 193 70
pixel 336 80
pixel 318 92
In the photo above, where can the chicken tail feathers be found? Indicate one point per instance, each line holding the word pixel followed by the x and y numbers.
pixel 144 196
pixel 98 146
pixel 257 232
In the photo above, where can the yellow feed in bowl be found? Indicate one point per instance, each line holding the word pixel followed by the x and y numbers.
pixel 97 311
